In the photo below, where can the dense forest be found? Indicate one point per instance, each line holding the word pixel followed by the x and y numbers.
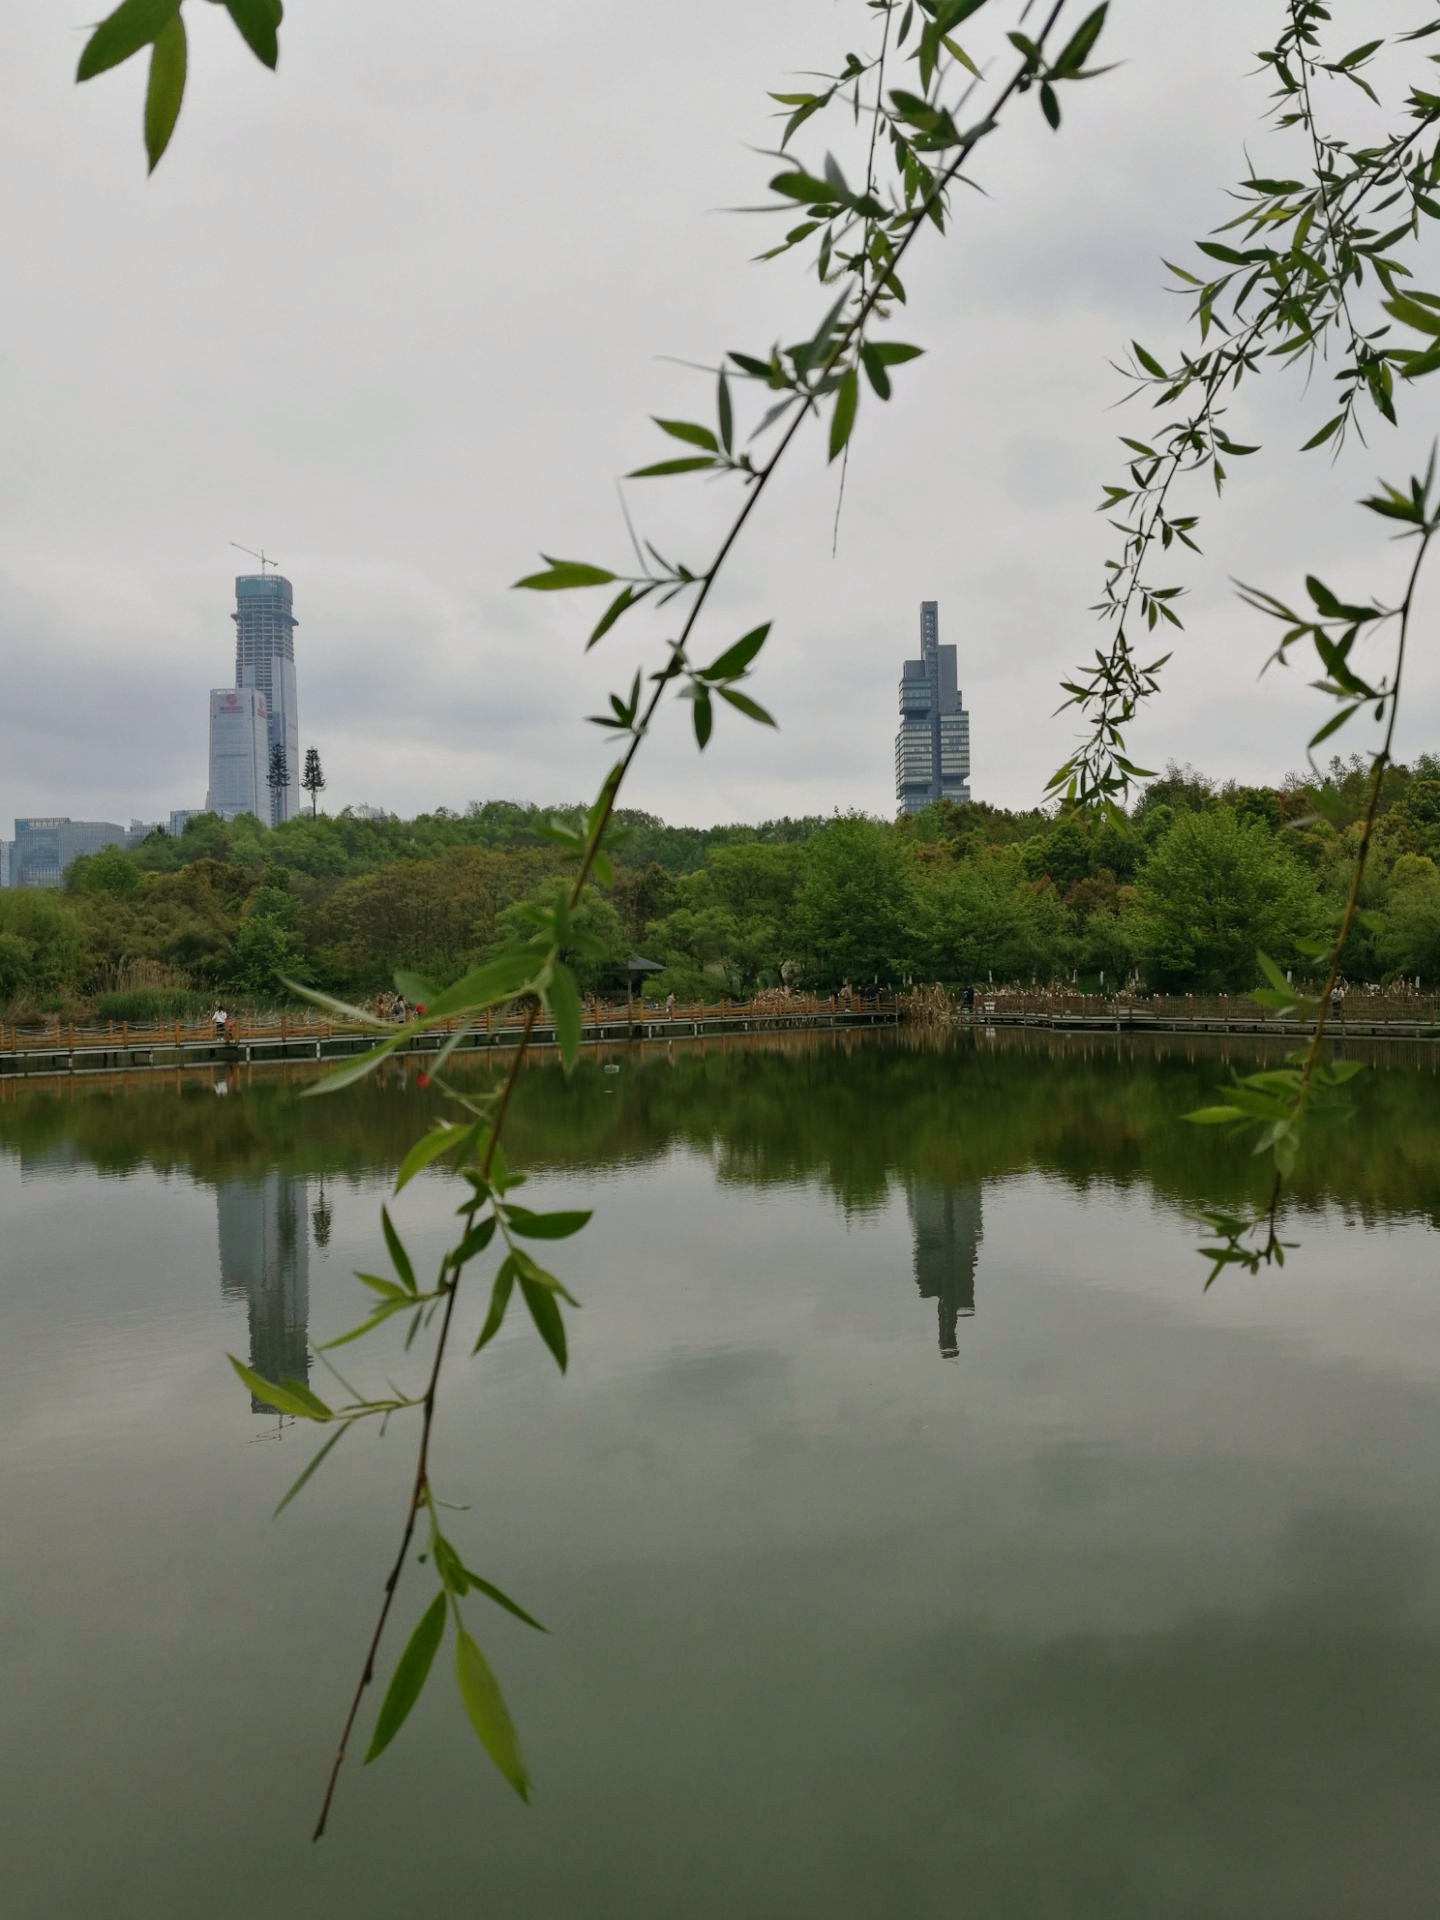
pixel 1179 894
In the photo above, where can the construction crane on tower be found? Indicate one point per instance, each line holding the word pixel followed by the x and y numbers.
pixel 262 557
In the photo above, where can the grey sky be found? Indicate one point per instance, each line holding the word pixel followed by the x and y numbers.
pixel 396 314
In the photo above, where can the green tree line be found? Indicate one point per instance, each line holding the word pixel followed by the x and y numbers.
pixel 1179 893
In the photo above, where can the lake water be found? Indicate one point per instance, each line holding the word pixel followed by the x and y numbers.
pixel 916 1537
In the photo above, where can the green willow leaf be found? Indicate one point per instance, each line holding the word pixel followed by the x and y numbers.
pixel 1072 55
pixel 723 411
pixel 259 23
pixel 803 186
pixel 353 1070
pixel 475 1241
pixel 397 1252
pixel 875 371
pixel 842 421
pixel 430 1146
pixel 1272 973
pixel 527 1269
pixel 500 1293
pixel 549 1322
pixel 562 996
pixel 315 1465
pixel 501 1599
pixel 563 574
pixel 704 716
pixel 360 1016
pixel 689 430
pixel 893 353
pixel 546 1226
pixel 411 1672
pixel 742 702
pixel 291 1397
pixel 1319 439
pixel 490 1717
pixel 697 463
pixel 460 1580
pixel 166 88
pixel 387 1289
pixel 623 600
pixel 377 1319
pixel 1421 363
pixel 134 24
pixel 1424 319
pixel 497 981
pixel 733 662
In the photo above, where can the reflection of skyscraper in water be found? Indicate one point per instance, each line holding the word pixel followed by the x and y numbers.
pixel 265 1261
pixel 947 1226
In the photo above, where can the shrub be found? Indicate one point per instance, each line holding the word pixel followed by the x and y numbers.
pixel 144 1004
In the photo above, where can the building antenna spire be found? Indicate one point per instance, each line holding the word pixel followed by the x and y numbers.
pixel 262 557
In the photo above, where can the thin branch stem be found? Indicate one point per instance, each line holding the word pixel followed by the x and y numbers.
pixel 865 252
pixel 419 1492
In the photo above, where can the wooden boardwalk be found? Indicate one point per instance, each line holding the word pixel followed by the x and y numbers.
pixel 61 1048
pixel 1241 1018
pixel 118 1047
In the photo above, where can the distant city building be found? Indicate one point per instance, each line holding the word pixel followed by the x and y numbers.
pixel 4 863
pixel 178 817
pixel 932 748
pixel 239 753
pixel 265 660
pixel 44 850
pixel 141 830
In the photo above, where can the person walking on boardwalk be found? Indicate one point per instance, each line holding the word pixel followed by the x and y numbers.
pixel 218 1020
pixel 1337 1003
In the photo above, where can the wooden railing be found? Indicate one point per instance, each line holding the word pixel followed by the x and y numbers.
pixel 1358 1004
pixel 58 1036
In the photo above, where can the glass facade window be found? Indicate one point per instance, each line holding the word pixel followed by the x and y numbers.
pixel 239 753
pixel 43 851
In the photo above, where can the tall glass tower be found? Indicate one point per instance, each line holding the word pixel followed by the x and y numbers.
pixel 932 748
pixel 265 659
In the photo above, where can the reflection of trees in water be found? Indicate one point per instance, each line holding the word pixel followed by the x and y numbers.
pixel 322 1218
pixel 946 1221
pixel 265 1260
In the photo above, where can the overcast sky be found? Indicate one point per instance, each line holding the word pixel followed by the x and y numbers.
pixel 397 313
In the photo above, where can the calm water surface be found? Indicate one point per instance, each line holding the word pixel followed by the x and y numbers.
pixel 916 1538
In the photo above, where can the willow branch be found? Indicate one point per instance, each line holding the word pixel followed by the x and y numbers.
pixel 804 403
pixel 1357 877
